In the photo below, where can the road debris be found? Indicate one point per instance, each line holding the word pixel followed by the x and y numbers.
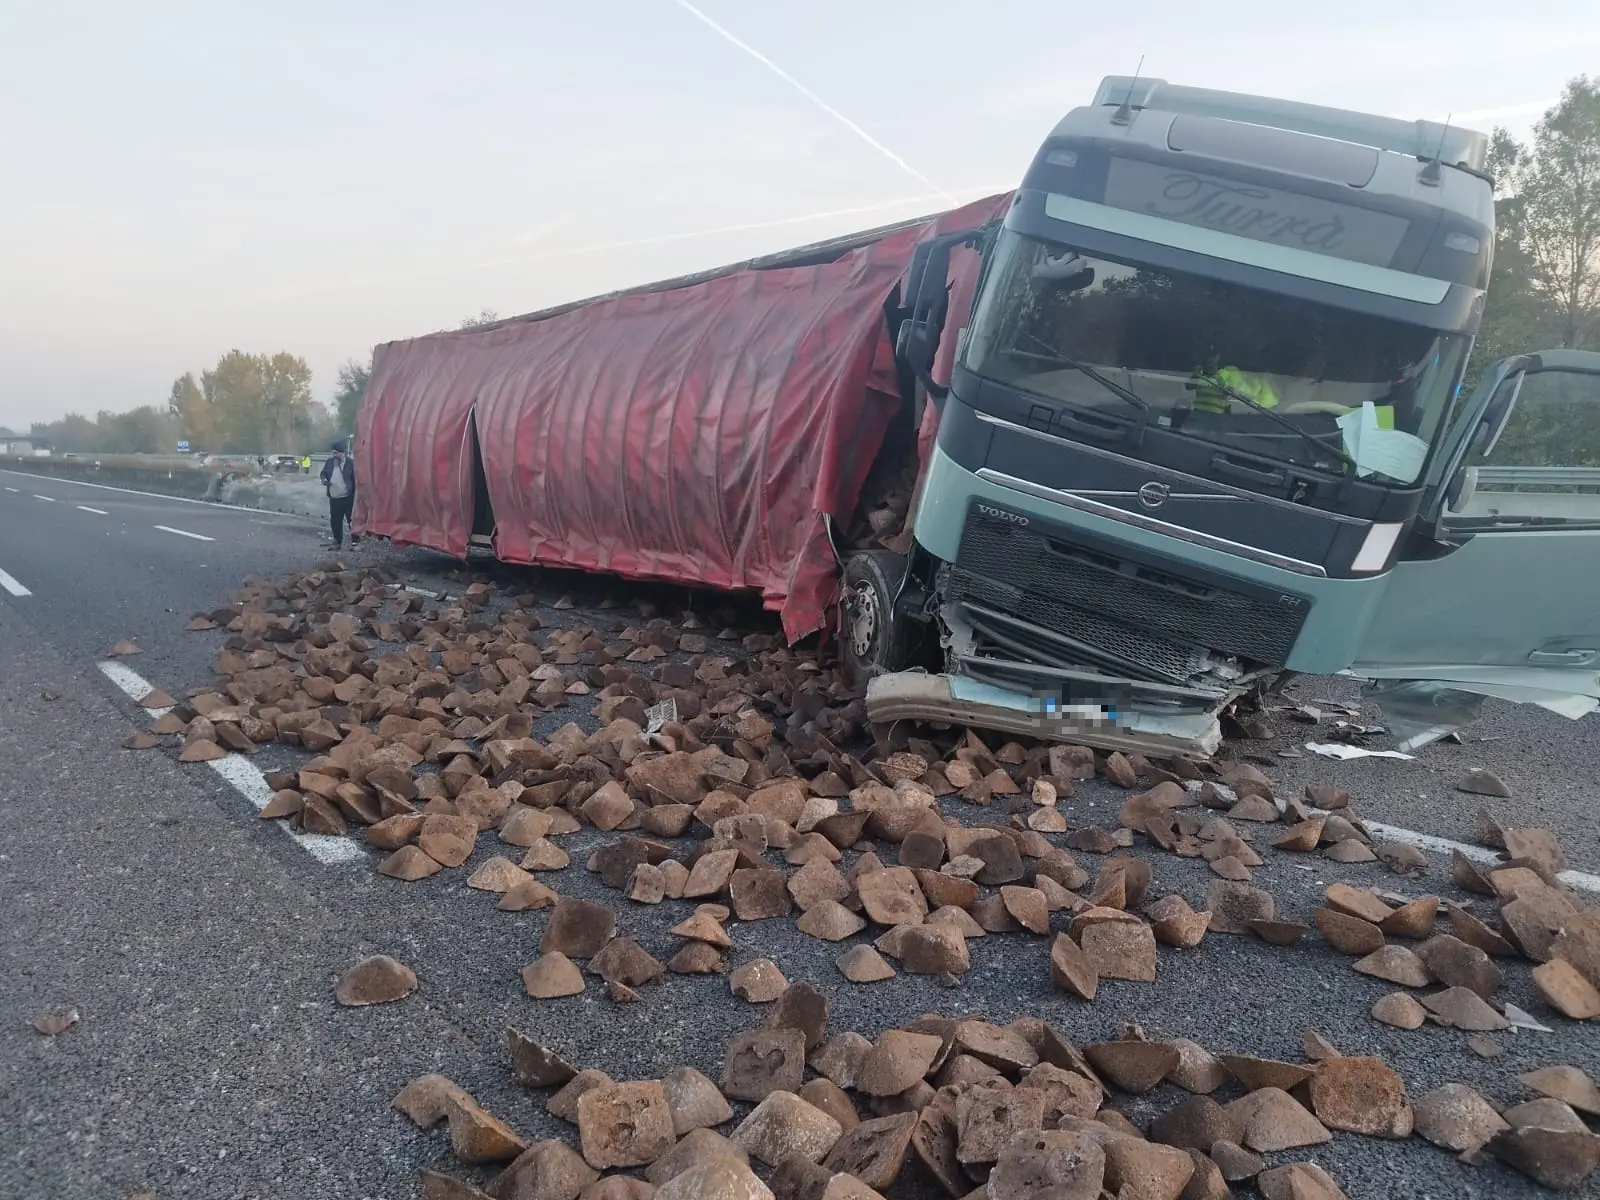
pixel 376 980
pixel 1343 751
pixel 736 779
pixel 56 1023
pixel 1401 1010
pixel 1479 782
pixel 993 1125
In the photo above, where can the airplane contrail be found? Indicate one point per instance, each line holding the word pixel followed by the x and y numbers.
pixel 775 223
pixel 833 112
pixel 376 279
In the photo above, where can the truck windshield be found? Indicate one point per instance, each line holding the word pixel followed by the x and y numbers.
pixel 1273 375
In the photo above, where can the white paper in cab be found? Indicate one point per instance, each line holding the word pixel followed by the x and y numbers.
pixel 1384 451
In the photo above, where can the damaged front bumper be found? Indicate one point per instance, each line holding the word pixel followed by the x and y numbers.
pixel 958 700
pixel 1015 676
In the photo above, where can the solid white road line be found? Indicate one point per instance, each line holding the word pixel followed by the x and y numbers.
pixel 1582 880
pixel 199 537
pixel 132 684
pixel 249 782
pixel 97 511
pixel 9 582
pixel 46 499
pixel 106 487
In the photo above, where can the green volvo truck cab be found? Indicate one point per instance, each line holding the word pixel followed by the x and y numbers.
pixel 1205 426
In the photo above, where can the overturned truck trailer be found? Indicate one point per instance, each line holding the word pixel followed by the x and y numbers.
pixel 1184 412
pixel 740 429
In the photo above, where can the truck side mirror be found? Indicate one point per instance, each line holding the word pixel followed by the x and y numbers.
pixel 1463 486
pixel 1498 412
pixel 928 301
pixel 918 347
pixel 927 290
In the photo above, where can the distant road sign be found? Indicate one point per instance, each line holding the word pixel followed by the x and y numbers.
pixel 183 447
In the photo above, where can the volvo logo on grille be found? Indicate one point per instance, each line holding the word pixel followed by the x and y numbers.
pixel 1153 494
pixel 1001 514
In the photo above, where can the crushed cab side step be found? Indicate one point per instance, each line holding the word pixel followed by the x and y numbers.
pixel 955 700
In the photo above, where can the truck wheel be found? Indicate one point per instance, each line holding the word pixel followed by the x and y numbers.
pixel 874 643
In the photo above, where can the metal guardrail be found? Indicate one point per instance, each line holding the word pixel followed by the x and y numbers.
pixel 1496 479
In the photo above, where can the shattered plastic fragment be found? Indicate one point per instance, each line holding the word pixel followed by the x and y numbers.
pixel 1342 751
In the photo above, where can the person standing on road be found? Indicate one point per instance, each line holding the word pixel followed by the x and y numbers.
pixel 339 478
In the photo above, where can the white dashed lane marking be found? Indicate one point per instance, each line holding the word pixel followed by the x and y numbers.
pixel 286 518
pixel 9 582
pixel 1582 880
pixel 97 511
pixel 132 685
pixel 241 774
pixel 46 499
pixel 199 537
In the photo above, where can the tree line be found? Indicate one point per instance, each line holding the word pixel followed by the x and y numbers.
pixel 245 404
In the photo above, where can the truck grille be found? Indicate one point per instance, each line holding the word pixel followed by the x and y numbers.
pixel 1120 605
pixel 1095 642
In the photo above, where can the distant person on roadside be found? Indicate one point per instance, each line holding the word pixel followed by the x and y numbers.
pixel 339 478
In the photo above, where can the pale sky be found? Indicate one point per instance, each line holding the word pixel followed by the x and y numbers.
pixel 184 177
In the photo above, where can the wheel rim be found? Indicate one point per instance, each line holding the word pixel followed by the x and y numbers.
pixel 863 620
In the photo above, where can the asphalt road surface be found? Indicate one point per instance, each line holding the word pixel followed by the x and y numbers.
pixel 200 945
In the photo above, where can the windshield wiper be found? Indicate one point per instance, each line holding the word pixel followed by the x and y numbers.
pixel 1250 401
pixel 1127 395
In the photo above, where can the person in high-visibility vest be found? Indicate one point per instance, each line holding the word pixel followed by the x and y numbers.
pixel 1211 390
pixel 305 464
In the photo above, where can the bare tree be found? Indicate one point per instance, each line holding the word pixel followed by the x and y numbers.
pixel 486 317
pixel 352 389
pixel 1555 218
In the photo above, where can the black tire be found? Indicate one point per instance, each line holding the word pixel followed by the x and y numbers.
pixel 874 643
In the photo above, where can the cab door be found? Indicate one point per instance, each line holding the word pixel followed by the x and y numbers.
pixel 1504 598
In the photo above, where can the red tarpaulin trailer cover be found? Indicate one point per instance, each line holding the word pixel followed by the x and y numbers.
pixel 696 434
